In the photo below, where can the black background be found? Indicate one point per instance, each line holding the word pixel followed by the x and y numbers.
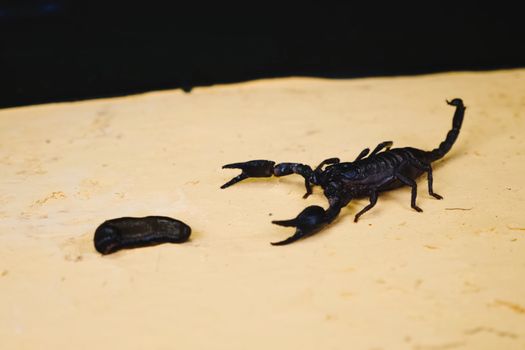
pixel 69 50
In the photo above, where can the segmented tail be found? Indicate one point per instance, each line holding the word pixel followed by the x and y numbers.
pixel 452 135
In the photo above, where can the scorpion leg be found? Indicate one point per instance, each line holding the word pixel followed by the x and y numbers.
pixel 428 169
pixel 430 182
pixel 373 201
pixel 362 154
pixel 318 169
pixel 327 162
pixel 373 198
pixel 379 148
pixel 311 220
pixel 409 182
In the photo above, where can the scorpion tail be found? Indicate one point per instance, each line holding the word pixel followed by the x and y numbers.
pixel 452 135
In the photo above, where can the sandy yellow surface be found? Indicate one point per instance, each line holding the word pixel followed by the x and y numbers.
pixel 452 277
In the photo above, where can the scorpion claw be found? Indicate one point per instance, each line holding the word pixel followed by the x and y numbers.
pixel 252 168
pixel 234 180
pixel 298 234
pixel 309 221
pixel 233 166
pixel 455 102
pixel 308 190
pixel 286 223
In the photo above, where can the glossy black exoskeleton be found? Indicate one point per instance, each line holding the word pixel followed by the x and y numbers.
pixel 367 176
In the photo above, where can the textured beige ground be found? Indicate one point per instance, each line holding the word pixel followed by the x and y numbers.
pixel 452 277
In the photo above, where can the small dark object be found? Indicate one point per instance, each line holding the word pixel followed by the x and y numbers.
pixel 121 233
pixel 368 175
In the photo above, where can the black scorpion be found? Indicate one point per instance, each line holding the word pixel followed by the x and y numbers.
pixel 368 175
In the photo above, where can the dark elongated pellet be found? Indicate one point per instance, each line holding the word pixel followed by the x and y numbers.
pixel 126 232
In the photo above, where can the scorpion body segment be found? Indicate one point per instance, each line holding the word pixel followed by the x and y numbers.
pixel 366 177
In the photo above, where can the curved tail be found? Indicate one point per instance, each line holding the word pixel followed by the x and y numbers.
pixel 452 135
